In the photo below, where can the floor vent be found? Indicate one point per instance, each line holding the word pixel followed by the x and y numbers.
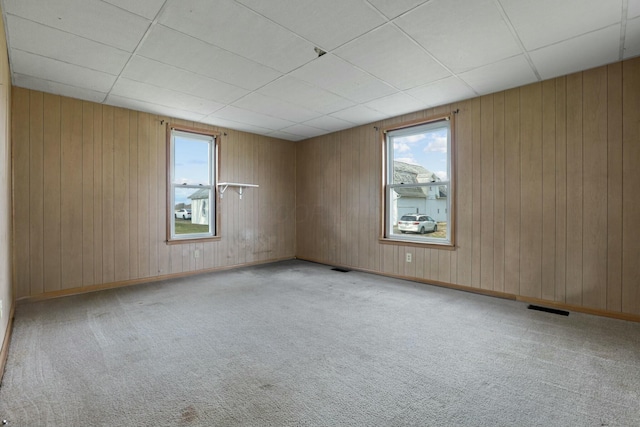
pixel 341 270
pixel 548 310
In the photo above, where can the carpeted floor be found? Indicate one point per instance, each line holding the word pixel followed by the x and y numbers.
pixel 297 344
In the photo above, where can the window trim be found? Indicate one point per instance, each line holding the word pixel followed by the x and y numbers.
pixel 215 196
pixel 384 205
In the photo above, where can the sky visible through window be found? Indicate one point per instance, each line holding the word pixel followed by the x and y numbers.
pixel 191 165
pixel 427 149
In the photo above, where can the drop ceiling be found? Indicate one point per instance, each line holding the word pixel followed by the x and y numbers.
pixel 253 65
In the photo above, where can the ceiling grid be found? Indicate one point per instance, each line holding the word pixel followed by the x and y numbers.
pixel 261 66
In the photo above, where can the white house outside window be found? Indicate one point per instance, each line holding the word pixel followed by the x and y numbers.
pixel 418 183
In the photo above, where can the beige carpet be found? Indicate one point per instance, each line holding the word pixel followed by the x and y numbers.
pixel 296 344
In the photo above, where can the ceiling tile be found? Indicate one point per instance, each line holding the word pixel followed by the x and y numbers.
pixel 297 92
pixel 41 40
pixel 147 8
pixel 285 135
pixel 275 107
pixel 56 88
pixel 91 19
pixel 328 123
pixel 442 92
pixel 157 95
pixel 633 9
pixel 255 37
pixel 394 8
pixel 61 72
pixel 396 104
pixel 544 22
pixel 171 47
pixel 148 107
pixel 359 115
pixel 338 76
pixel 390 55
pixel 580 53
pixel 462 34
pixel 304 131
pixel 632 39
pixel 159 74
pixel 230 124
pixel 501 75
pixel 250 117
pixel 329 29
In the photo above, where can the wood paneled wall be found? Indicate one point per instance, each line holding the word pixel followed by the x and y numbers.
pixel 90 194
pixel 6 269
pixel 548 195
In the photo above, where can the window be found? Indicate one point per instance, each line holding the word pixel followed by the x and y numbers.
pixel 418 183
pixel 191 185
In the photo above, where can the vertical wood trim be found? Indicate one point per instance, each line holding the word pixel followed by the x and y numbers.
pixel 108 217
pixel 36 196
pixel 476 185
pixel 71 192
pixel 134 212
pixel 144 190
pixel 549 238
pixel 97 195
pixel 52 191
pixel 21 166
pixel 614 187
pixel 464 179
pixel 487 243
pixel 152 197
pixel 574 189
pixel 164 252
pixel 512 192
pixel 88 267
pixel 630 186
pixel 499 191
pixel 561 191
pixel 594 247
pixel 121 204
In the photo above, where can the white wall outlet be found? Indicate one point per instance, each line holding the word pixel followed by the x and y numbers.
pixel 196 253
pixel 409 257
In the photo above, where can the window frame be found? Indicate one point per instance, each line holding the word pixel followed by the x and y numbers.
pixel 214 218
pixel 387 186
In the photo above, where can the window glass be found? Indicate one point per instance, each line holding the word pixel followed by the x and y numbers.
pixel 192 213
pixel 192 161
pixel 418 183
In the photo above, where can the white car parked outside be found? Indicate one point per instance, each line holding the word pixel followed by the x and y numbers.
pixel 417 223
pixel 183 213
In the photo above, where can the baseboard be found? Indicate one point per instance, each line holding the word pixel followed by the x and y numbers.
pixel 580 309
pixel 504 295
pixel 132 282
pixel 4 352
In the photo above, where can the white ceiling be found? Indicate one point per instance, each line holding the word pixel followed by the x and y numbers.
pixel 251 65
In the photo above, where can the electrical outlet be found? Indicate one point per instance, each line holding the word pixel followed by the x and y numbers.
pixel 409 257
pixel 196 253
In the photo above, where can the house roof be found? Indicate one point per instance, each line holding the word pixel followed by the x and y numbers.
pixel 202 193
pixel 408 173
pixel 298 69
